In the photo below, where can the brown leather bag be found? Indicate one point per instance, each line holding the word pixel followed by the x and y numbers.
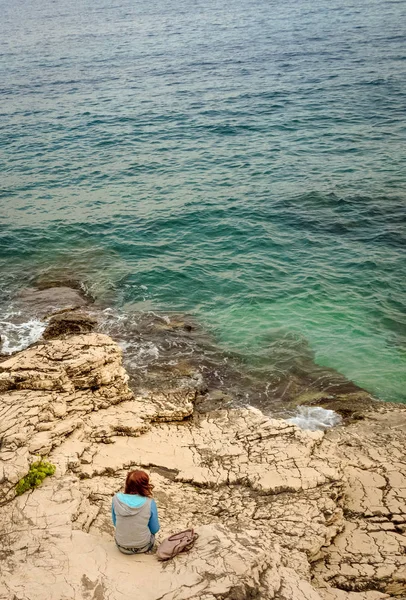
pixel 176 543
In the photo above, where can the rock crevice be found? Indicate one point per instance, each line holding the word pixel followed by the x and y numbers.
pixel 282 513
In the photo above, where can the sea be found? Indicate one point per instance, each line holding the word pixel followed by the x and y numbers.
pixel 239 162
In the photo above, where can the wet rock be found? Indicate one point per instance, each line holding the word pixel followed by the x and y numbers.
pixel 47 281
pixel 174 324
pixel 69 323
pixel 61 276
pixel 213 400
pixel 158 351
pixel 40 303
pixel 350 406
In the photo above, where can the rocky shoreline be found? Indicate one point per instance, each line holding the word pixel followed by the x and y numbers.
pixel 282 513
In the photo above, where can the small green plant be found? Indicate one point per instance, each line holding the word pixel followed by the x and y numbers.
pixel 35 476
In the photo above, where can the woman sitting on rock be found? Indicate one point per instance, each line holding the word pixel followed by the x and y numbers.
pixel 135 515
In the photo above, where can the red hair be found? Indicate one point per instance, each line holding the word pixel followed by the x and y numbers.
pixel 137 482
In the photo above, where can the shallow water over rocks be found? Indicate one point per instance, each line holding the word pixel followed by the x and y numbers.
pixel 171 350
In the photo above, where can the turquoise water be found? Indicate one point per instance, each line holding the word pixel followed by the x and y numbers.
pixel 244 162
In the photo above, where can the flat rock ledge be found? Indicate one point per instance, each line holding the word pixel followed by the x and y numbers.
pixel 282 513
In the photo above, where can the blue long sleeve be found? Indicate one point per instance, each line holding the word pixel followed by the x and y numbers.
pixel 153 522
pixel 113 514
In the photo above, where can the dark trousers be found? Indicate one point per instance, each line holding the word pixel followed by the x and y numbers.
pixel 146 548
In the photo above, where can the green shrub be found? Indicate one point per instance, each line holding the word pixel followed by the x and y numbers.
pixel 35 476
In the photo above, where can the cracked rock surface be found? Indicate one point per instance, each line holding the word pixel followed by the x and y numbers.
pixel 281 513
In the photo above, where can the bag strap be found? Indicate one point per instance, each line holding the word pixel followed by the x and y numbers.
pixel 194 537
pixel 175 536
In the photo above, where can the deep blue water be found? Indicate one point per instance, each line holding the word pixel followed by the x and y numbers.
pixel 243 161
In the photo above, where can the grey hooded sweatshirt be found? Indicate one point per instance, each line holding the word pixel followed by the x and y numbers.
pixel 134 518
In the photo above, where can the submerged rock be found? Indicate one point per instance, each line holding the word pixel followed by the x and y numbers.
pixel 159 350
pixel 33 301
pixel 282 513
pixel 25 324
pixel 69 323
pixel 57 279
pixel 351 406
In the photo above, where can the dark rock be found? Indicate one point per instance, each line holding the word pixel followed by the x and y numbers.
pixel 175 324
pixel 351 406
pixel 207 401
pixel 40 303
pixel 69 323
pixel 57 278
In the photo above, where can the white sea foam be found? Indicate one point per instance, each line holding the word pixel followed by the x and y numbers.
pixel 148 350
pixel 139 355
pixel 15 337
pixel 164 318
pixel 315 418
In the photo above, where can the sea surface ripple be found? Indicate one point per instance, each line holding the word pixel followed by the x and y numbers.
pixel 241 161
